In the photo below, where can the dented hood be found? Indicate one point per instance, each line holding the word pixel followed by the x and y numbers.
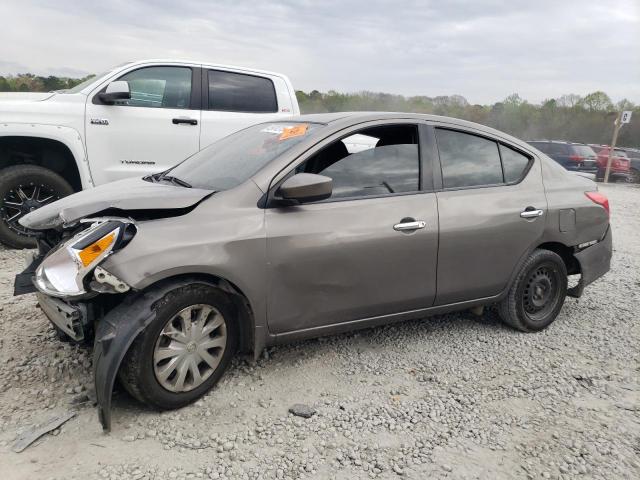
pixel 129 194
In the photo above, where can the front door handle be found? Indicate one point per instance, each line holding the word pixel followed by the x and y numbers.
pixel 409 226
pixel 188 121
pixel 531 212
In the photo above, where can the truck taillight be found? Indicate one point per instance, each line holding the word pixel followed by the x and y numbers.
pixel 600 199
pixel 576 158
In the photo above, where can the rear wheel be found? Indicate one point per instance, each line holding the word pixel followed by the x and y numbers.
pixel 537 295
pixel 24 188
pixel 635 175
pixel 184 351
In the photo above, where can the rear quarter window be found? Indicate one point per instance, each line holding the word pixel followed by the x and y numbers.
pixel 514 164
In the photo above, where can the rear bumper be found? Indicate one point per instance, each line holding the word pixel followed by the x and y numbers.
pixel 594 261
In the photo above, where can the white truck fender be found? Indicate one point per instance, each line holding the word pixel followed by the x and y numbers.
pixel 68 136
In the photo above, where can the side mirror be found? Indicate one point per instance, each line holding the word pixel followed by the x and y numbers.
pixel 118 90
pixel 306 187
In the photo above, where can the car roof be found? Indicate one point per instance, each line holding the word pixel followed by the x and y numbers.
pixel 353 118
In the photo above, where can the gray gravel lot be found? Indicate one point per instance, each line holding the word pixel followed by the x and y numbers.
pixel 453 396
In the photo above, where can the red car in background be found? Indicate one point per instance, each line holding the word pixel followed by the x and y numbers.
pixel 620 164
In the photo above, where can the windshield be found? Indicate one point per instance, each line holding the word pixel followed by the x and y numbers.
pixel 92 79
pixel 234 159
pixel 86 83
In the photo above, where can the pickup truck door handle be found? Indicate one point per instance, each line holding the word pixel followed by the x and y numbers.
pixel 188 121
pixel 409 226
pixel 531 212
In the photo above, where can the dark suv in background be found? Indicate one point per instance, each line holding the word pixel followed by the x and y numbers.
pixel 634 160
pixel 572 156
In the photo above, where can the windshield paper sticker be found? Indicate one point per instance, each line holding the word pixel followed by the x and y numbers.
pixel 294 131
pixel 275 129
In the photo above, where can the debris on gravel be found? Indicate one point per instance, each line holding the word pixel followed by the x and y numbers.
pixel 455 396
pixel 300 410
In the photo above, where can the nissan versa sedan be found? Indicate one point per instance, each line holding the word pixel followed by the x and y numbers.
pixel 312 226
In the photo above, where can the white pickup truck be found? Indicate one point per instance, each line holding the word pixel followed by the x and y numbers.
pixel 138 118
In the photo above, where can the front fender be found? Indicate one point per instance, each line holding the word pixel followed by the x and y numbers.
pixel 68 136
pixel 114 335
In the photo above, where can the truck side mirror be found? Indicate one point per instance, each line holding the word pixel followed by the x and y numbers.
pixel 118 90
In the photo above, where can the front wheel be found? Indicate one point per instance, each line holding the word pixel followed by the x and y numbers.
pixel 537 295
pixel 184 351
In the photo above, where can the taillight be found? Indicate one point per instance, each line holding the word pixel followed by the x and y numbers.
pixel 600 199
pixel 576 158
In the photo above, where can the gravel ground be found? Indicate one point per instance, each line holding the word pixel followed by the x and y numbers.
pixel 454 396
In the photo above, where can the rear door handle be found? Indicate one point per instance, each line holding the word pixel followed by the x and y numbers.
pixel 531 212
pixel 188 121
pixel 408 226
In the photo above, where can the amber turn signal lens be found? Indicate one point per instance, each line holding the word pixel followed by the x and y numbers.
pixel 88 254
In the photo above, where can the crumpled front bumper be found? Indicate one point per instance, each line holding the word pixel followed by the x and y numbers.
pixel 72 319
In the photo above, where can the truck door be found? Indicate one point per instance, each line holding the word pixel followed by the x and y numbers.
pixel 156 128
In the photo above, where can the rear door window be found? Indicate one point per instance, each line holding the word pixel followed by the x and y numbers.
pixel 237 92
pixel 584 151
pixel 542 146
pixel 468 160
pixel 557 149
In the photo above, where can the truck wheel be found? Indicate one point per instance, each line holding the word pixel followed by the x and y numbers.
pixel 635 175
pixel 24 188
pixel 184 351
pixel 537 295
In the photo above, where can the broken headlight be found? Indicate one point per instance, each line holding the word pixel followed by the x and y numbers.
pixel 62 272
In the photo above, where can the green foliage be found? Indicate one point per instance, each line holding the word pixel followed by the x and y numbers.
pixel 587 119
pixel 570 117
pixel 27 82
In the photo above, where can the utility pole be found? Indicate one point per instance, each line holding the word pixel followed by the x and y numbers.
pixel 621 119
pixel 617 125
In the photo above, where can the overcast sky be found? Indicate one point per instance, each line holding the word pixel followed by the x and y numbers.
pixel 483 50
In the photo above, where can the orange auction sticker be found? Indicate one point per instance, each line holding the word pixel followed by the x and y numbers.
pixel 296 131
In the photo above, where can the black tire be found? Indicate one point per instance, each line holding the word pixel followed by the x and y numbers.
pixel 137 370
pixel 537 294
pixel 27 179
pixel 635 176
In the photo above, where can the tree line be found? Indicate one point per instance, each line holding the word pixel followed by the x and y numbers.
pixel 575 118
pixel 27 82
pixel 587 119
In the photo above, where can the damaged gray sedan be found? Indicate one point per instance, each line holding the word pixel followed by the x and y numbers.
pixel 301 228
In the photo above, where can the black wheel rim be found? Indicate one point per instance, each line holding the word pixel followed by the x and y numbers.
pixel 23 199
pixel 541 292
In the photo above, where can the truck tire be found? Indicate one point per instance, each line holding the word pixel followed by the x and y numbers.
pixel 537 294
pixel 185 349
pixel 24 188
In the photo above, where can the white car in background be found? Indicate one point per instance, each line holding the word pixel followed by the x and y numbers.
pixel 136 119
